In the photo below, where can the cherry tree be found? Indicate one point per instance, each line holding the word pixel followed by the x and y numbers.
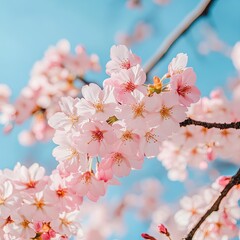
pixel 104 133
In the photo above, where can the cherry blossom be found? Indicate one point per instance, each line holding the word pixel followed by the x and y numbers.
pixel 183 85
pixel 104 135
pixel 121 58
pixel 178 64
pixel 55 76
pixel 235 55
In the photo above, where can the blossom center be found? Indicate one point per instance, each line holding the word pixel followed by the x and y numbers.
pixel 74 119
pixel 61 192
pixel 99 107
pixel 225 133
pixel 87 177
pixel 127 135
pixel 150 137
pixel 65 221
pixel 97 135
pixel 129 86
pixel 25 223
pixel 165 112
pixel 125 64
pixel 188 134
pixel 138 110
pixel 31 184
pixel 2 201
pixel 39 203
pixel 117 158
pixel 183 90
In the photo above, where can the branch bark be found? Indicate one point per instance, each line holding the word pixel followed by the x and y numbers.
pixel 83 80
pixel 189 121
pixel 201 10
pixel 235 180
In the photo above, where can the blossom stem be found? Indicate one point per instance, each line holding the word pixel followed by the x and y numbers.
pixel 201 10
pixel 235 180
pixel 189 121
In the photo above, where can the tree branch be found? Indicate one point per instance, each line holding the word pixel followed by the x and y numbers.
pixel 235 180
pixel 82 79
pixel 189 121
pixel 201 10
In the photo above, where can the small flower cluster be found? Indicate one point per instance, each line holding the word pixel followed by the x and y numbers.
pixel 52 77
pixel 35 206
pixel 219 225
pixel 137 3
pixel 197 146
pixel 109 131
pixel 107 222
pixel 141 31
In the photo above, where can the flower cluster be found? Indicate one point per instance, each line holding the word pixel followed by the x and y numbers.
pixel 197 146
pixel 138 3
pixel 100 137
pixel 109 131
pixel 107 222
pixel 219 225
pixel 35 206
pixel 54 76
pixel 141 31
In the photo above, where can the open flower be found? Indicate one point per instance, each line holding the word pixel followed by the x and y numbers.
pixel 121 58
pixel 183 85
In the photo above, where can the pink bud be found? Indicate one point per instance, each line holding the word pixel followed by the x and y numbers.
pixel 223 181
pixel 147 236
pixel 162 229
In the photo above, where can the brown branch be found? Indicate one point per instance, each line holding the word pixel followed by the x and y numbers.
pixel 82 79
pixel 235 180
pixel 189 121
pixel 201 10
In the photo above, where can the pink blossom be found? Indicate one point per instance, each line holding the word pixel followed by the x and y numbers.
pixel 141 31
pixel 38 207
pixel 127 138
pixel 121 58
pixel 98 104
pixel 88 185
pixel 235 55
pixel 7 200
pixel 96 139
pixel 126 81
pixel 121 163
pixel 28 179
pixel 67 152
pixel 166 112
pixel 183 85
pixel 22 227
pixel 178 64
pixel 67 224
pixel 150 140
pixel 5 93
pixel 135 112
pixel 69 117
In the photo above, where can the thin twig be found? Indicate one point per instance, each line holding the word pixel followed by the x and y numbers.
pixel 201 10
pixel 235 180
pixel 82 79
pixel 189 121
